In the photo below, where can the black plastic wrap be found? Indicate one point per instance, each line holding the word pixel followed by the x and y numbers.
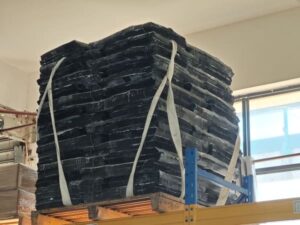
pixel 102 93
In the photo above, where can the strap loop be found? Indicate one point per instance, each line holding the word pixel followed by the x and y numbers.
pixel 224 193
pixel 65 195
pixel 173 123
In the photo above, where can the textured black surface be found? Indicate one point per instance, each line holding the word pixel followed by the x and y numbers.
pixel 102 93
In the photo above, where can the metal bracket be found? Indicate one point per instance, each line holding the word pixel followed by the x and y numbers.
pixel 190 214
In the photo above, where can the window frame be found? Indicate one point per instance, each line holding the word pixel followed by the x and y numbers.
pixel 245 100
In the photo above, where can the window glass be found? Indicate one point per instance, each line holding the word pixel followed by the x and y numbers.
pixel 275 131
pixel 262 124
pixel 274 125
pixel 278 186
pixel 294 120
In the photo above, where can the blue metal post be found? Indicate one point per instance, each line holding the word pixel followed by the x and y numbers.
pixel 248 180
pixel 246 127
pixel 248 183
pixel 192 173
pixel 191 176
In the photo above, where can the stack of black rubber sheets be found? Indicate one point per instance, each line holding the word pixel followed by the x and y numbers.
pixel 101 100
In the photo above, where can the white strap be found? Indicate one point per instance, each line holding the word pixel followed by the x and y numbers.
pixel 65 195
pixel 49 84
pixel 224 193
pixel 173 123
pixel 174 127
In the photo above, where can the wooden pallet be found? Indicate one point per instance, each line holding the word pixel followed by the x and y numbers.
pixel 22 220
pixel 9 222
pixel 129 207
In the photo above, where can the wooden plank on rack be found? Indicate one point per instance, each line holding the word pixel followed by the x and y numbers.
pixel 170 218
pixel 107 213
pixel 39 219
pixel 251 213
pixel 24 220
pixel 9 221
pixel 166 203
pixel 149 204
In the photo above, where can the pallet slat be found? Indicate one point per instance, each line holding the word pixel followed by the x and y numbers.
pixel 129 207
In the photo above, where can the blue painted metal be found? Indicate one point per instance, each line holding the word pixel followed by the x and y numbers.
pixel 191 178
pixel 248 183
pixel 246 127
pixel 221 182
pixel 241 199
pixel 192 172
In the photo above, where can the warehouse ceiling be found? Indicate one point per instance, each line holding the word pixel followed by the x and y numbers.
pixel 28 28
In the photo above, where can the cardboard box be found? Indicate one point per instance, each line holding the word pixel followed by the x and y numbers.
pixel 16 203
pixel 17 191
pixel 17 176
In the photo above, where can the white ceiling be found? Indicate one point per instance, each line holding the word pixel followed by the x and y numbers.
pixel 28 28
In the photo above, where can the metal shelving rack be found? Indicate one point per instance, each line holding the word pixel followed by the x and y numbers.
pixel 248 212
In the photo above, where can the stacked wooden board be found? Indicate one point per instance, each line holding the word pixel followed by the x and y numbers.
pixel 102 92
pixel 17 187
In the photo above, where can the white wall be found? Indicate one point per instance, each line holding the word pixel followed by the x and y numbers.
pixel 17 88
pixel 13 87
pixel 260 51
pixel 33 91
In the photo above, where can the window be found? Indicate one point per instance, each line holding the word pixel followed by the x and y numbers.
pixel 274 131
pixel 278 185
pixel 274 123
